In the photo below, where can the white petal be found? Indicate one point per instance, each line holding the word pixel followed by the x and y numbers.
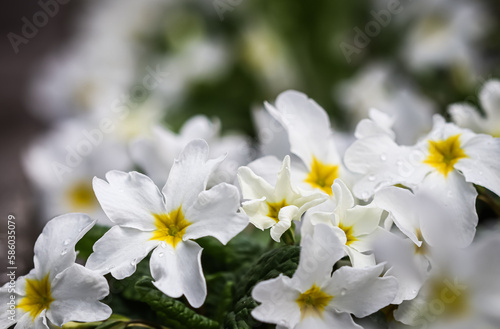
pixel 490 99
pixel 278 302
pixel 120 250
pixel 482 165
pixel 403 207
pixel 449 207
pixel 215 214
pixel 361 291
pixel 189 175
pixel 258 210
pixel 283 188
pixel 76 292
pixel 266 167
pixel 363 219
pixel 26 322
pixel 358 259
pixel 467 116
pixel 383 163
pixel 199 126
pixel 178 272
pixel 318 255
pixel 5 309
pixel 253 186
pixel 380 123
pixel 307 124
pixel 330 319
pixel 129 199
pixel 342 197
pixel 285 216
pixel 55 247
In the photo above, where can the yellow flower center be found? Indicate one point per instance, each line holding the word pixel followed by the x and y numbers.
pixel 322 175
pixel 313 302
pixel 38 297
pixel 349 234
pixel 274 209
pixel 81 196
pixel 170 227
pixel 444 154
pixel 422 250
pixel 449 299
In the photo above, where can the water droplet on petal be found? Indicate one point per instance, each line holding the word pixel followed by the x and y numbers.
pixel 399 163
pixel 383 157
pixel 64 251
pixel 66 242
pixel 343 292
pixel 160 254
pixel 365 195
pixel 371 178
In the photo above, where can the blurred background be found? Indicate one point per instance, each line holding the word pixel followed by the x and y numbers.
pixel 87 84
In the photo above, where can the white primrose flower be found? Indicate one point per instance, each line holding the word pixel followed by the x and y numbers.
pixel 56 290
pixel 155 155
pixel 467 116
pixel 276 206
pixel 354 225
pixel 147 219
pixel 316 298
pixel 62 163
pixel 443 166
pixel 462 292
pixel 311 139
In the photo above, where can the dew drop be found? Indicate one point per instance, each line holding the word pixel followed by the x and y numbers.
pixel 399 163
pixel 371 178
pixel 160 254
pixel 343 292
pixel 66 242
pixel 64 251
pixel 364 195
pixel 383 157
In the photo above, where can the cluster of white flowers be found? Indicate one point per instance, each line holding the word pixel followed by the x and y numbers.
pixel 426 271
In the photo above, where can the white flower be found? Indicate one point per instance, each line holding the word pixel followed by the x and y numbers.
pixel 166 223
pixel 443 166
pixel 311 139
pixel 155 155
pixel 57 290
pixel 314 298
pixel 62 163
pixel 275 207
pixel 379 86
pixel 353 224
pixel 462 292
pixel 467 116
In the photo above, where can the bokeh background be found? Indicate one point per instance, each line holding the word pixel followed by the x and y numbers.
pixel 93 59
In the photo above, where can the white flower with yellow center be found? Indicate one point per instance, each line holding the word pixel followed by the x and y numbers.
pixel 316 298
pixel 276 206
pixel 57 290
pixel 354 225
pixel 467 116
pixel 311 139
pixel 443 166
pixel 462 291
pixel 147 219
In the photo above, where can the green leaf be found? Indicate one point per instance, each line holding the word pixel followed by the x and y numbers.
pixel 84 246
pixel 173 313
pixel 281 260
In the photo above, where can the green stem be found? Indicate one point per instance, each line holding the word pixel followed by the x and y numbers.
pixel 289 235
pixel 489 200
